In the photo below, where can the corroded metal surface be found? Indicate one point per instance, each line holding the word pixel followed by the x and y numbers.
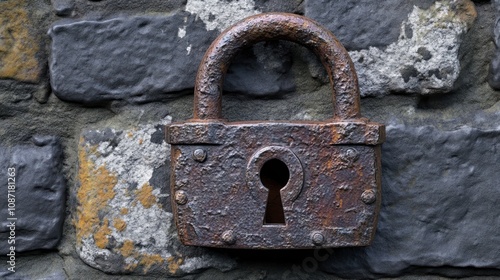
pixel 273 185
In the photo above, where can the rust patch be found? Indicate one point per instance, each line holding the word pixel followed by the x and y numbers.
pixel 145 195
pixel 94 194
pixel 124 211
pixel 18 48
pixel 119 224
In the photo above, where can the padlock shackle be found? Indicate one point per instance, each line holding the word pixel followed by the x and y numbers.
pixel 276 26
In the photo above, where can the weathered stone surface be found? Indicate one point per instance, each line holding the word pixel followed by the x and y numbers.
pixel 109 8
pixel 142 59
pixel 494 78
pixel 45 266
pixel 63 8
pixel 39 195
pixel 264 69
pixel 439 204
pixel 137 59
pixel 123 220
pixel 360 24
pixel 220 14
pixel 423 60
pixel 19 42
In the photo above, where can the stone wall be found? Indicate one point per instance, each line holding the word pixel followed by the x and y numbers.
pixel 86 88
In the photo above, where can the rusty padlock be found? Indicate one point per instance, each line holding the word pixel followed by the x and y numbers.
pixel 276 185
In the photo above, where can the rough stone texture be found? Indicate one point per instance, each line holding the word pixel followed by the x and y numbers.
pixel 138 59
pixel 360 24
pixel 20 45
pixel 494 78
pixel 220 14
pixel 439 204
pixel 39 195
pixel 262 70
pixel 142 59
pixel 423 60
pixel 123 220
pixel 110 8
pixel 63 8
pixel 49 267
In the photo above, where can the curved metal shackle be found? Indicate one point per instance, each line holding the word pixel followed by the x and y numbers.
pixel 276 26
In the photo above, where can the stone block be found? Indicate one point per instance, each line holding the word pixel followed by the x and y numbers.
pixel 20 43
pixel 439 209
pixel 143 59
pixel 124 222
pixel 494 75
pixel 110 8
pixel 396 46
pixel 39 195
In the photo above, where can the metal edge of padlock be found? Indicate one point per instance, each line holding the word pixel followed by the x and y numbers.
pixel 347 131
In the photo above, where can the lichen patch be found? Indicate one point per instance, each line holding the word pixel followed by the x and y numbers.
pixel 145 195
pixel 94 194
pixel 18 46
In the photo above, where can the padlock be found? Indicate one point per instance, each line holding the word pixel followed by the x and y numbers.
pixel 276 184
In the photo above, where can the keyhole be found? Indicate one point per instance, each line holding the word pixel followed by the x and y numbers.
pixel 274 175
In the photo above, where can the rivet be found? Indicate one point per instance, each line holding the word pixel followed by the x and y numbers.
pixel 352 154
pixel 199 155
pixel 368 197
pixel 181 197
pixel 228 237
pixel 317 238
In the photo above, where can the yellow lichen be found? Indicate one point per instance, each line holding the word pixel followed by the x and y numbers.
pixel 101 236
pixel 94 194
pixel 119 224
pixel 124 211
pixel 174 264
pixel 145 195
pixel 148 261
pixel 18 48
pixel 128 248
pixel 131 266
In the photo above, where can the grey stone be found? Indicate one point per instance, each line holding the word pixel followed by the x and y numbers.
pixel 44 266
pixel 415 52
pixel 143 59
pixel 360 24
pixel 63 8
pixel 220 14
pixel 39 195
pixel 110 8
pixel 123 221
pixel 494 78
pixel 439 205
pixel 137 59
pixel 264 69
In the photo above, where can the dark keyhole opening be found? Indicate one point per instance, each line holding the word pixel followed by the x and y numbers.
pixel 274 175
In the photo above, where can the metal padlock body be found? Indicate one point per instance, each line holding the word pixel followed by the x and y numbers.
pixel 332 196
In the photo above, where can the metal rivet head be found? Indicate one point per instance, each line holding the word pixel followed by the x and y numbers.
pixel 317 238
pixel 228 237
pixel 181 197
pixel 368 197
pixel 199 155
pixel 351 154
